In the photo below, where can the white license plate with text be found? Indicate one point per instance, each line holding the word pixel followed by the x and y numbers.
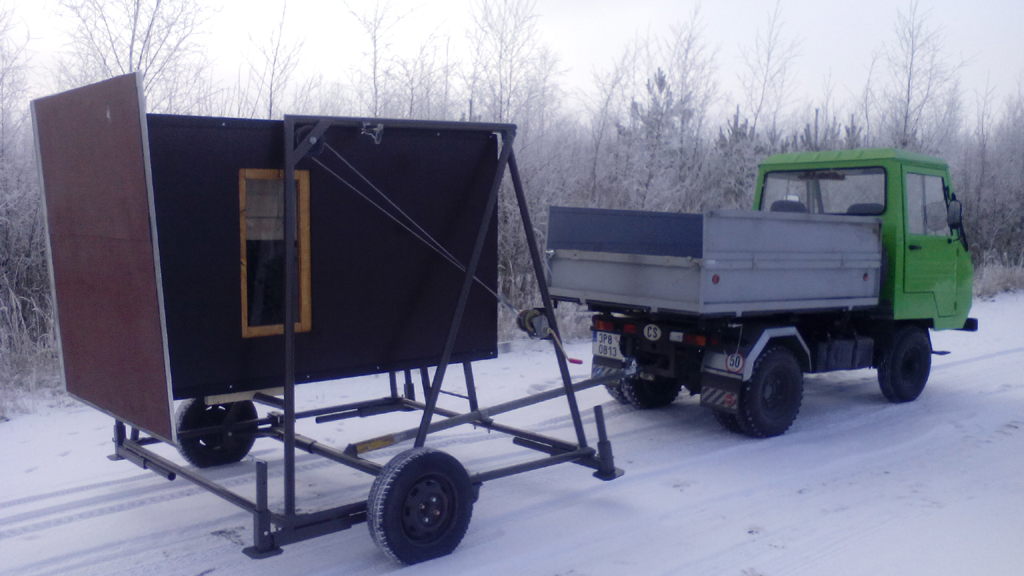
pixel 606 345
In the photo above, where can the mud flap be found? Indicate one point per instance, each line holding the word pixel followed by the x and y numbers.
pixel 601 367
pixel 720 392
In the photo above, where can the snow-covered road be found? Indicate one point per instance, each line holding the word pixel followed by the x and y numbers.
pixel 856 486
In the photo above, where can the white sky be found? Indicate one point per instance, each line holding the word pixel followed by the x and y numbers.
pixel 836 37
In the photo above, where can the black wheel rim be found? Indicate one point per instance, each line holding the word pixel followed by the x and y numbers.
pixel 428 509
pixel 213 416
pixel 912 365
pixel 216 415
pixel 775 393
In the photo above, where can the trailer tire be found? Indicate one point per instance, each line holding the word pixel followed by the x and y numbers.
pixel 771 399
pixel 420 505
pixel 905 364
pixel 215 449
pixel 646 394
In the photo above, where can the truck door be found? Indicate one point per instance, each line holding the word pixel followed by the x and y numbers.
pixel 930 257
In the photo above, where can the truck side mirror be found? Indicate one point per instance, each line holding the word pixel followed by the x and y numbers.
pixel 954 214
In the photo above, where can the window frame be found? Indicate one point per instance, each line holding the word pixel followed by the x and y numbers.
pixel 943 190
pixel 305 320
pixel 766 207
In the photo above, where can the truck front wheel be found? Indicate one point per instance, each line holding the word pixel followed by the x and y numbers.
pixel 770 400
pixel 905 365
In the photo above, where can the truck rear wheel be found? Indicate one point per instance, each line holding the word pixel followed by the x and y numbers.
pixel 644 394
pixel 728 421
pixel 615 391
pixel 771 399
pixel 905 365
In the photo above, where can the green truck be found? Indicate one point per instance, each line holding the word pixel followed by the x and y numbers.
pixel 848 260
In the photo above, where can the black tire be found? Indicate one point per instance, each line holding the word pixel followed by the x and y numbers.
pixel 599 369
pixel 770 400
pixel 905 364
pixel 645 394
pixel 420 505
pixel 728 420
pixel 615 391
pixel 215 449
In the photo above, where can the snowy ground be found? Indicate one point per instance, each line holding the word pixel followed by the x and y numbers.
pixel 857 486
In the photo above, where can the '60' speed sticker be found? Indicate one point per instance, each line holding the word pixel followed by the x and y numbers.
pixel 734 363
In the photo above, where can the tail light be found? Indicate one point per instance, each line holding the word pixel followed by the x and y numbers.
pixel 695 340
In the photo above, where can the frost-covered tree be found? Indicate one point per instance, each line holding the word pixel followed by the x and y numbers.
pixel 650 143
pixel 269 73
pixel 378 22
pixel 159 38
pixel 768 76
pixel 920 104
pixel 26 354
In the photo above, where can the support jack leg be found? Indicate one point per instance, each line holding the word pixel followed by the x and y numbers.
pixel 607 469
pixel 262 536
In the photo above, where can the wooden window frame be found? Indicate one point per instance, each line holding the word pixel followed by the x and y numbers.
pixel 305 321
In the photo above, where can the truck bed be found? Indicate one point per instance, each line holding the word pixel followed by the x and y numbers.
pixel 723 262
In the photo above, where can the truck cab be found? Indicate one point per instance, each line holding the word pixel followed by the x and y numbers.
pixel 927 272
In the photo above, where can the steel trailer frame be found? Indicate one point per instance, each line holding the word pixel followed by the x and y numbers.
pixel 272 529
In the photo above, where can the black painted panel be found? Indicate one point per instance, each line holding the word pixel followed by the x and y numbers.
pixel 381 299
pixel 626 232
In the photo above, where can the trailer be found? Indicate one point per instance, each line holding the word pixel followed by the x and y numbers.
pixel 847 261
pixel 221 263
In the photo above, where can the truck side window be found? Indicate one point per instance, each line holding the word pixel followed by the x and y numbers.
pixel 261 204
pixel 926 205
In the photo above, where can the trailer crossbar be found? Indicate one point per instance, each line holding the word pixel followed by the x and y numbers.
pixel 481 416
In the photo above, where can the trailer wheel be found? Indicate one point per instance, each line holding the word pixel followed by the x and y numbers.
pixel 905 365
pixel 645 394
pixel 420 505
pixel 770 400
pixel 219 448
pixel 728 420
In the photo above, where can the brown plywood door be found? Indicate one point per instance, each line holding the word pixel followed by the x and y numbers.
pixel 93 155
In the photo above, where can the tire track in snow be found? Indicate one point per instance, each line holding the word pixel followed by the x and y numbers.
pixel 75 490
pixel 111 557
pixel 113 503
pixel 977 359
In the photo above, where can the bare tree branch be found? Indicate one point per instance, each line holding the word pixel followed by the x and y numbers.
pixel 155 37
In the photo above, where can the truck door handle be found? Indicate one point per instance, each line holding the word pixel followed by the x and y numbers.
pixel 914 247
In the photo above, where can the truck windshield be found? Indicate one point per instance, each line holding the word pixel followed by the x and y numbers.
pixel 831 191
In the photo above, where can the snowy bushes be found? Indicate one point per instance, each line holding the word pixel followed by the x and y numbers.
pixel 994 277
pixel 27 359
pixel 27 356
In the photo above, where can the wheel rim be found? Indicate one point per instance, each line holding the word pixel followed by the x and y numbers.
pixel 214 416
pixel 775 394
pixel 912 365
pixel 428 509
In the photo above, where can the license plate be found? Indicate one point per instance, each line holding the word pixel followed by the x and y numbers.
pixel 606 345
